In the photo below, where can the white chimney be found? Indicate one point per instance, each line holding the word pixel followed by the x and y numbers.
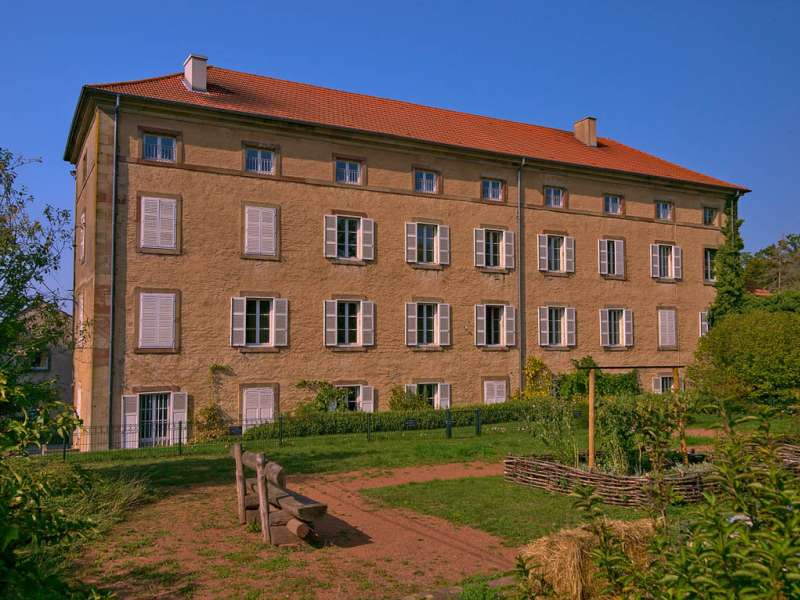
pixel 586 131
pixel 195 72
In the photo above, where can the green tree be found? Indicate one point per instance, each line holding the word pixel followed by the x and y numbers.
pixel 731 290
pixel 776 267
pixel 30 413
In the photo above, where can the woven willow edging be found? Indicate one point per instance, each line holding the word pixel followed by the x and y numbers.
pixel 622 490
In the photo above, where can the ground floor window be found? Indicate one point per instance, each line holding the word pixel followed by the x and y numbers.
pixel 352 395
pixel 154 419
pixel 428 392
pixel 662 384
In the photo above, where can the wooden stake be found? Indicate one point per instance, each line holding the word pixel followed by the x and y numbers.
pixel 236 451
pixel 591 418
pixel 263 499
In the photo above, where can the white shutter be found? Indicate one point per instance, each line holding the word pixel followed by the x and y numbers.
pixel 252 404
pixel 130 422
pixel 569 254
pixel 444 395
pixel 619 258
pixel 179 413
pixel 602 257
pixel 480 324
pixel 480 247
pixel 443 237
pixel 157 321
pixel 411 389
pixel 654 266
pixel 508 249
pixel 656 385
pixel 260 230
pixel 628 318
pixel 280 322
pixel 543 326
pixel 167 222
pixel 443 318
pixel 238 309
pixel 366 317
pixel 500 392
pixel 252 230
pixel 367 239
pixel 703 323
pixel 510 321
pixel 149 223
pixel 488 392
pixel 367 398
pixel 666 328
pixel 411 242
pixel 677 262
pixel 411 323
pixel 329 236
pixel 269 231
pixel 542 252
pixel 605 337
pixel 266 405
pixel 571 331
pixel 329 322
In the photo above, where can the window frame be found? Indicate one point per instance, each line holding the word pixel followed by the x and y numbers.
pixel 82 236
pixel 487 244
pixel 244 388
pixel 495 380
pixel 434 241
pixel 557 337
pixel 38 366
pixel 356 331
pixel 437 183
pixel 676 331
pixel 620 205
pixel 160 135
pixel 348 218
pixel 563 196
pixel 247 148
pixel 671 205
pixel 176 342
pixel 714 214
pixel 500 308
pixel 561 251
pixel 501 191
pixel 259 315
pixel 140 247
pixel 616 327
pixel 348 161
pixel 422 320
pixel 709 273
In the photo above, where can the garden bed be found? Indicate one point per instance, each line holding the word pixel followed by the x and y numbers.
pixel 622 490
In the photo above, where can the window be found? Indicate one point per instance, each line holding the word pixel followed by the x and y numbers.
pixel 42 361
pixel 556 326
pixel 667 330
pixel 616 327
pixel 82 237
pixel 426 243
pixel 495 325
pixel 495 391
pixel 612 204
pixel 703 323
pixel 159 223
pixel 357 397
pixel 260 230
pixel 663 210
pixel 428 392
pixel 554 196
pixel 157 320
pixel 492 190
pixel 611 257
pixel 662 384
pixel 259 161
pixel 494 248
pixel 426 182
pixel 709 273
pixel 437 395
pixel 259 321
pixel 257 318
pixel 348 171
pixel 556 253
pixel 666 261
pixel 427 324
pixel 349 238
pixel 154 419
pixel 258 406
pixel 709 215
pixel 349 323
pixel 159 147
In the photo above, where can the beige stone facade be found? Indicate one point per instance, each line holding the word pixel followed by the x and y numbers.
pixel 211 187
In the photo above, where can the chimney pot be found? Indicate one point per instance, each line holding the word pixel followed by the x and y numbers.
pixel 586 131
pixel 195 72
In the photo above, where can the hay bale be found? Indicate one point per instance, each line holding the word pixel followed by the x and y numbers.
pixel 561 560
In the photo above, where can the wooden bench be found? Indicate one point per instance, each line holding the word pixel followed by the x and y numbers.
pixel 286 517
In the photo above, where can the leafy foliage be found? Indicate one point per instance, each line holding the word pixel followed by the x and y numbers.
pixel 571 385
pixel 753 357
pixel 775 268
pixel 552 422
pixel 731 291
pixel 401 399
pixel 327 398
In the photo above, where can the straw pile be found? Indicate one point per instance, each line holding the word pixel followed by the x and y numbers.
pixel 561 560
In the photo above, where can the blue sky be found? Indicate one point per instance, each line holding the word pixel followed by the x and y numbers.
pixel 714 86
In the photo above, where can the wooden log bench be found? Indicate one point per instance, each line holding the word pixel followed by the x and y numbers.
pixel 286 517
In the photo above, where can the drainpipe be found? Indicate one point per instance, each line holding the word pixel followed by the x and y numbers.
pixel 111 314
pixel 521 310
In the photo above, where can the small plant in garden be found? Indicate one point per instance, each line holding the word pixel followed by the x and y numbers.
pixel 326 398
pixel 551 421
pixel 402 399
pixel 210 421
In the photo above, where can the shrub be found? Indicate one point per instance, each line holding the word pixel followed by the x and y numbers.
pixel 401 399
pixel 327 397
pixel 575 384
pixel 753 357
pixel 210 424
pixel 552 422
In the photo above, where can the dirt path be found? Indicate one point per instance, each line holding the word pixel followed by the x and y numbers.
pixel 191 545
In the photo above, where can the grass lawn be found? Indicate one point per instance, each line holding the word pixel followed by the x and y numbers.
pixel 211 463
pixel 514 512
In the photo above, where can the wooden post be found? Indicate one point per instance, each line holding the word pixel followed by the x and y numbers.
pixel 263 499
pixel 676 387
pixel 591 418
pixel 236 451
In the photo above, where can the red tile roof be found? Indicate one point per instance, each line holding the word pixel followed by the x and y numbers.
pixel 300 102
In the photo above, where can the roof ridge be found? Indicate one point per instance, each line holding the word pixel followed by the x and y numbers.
pixel 132 81
pixel 394 100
